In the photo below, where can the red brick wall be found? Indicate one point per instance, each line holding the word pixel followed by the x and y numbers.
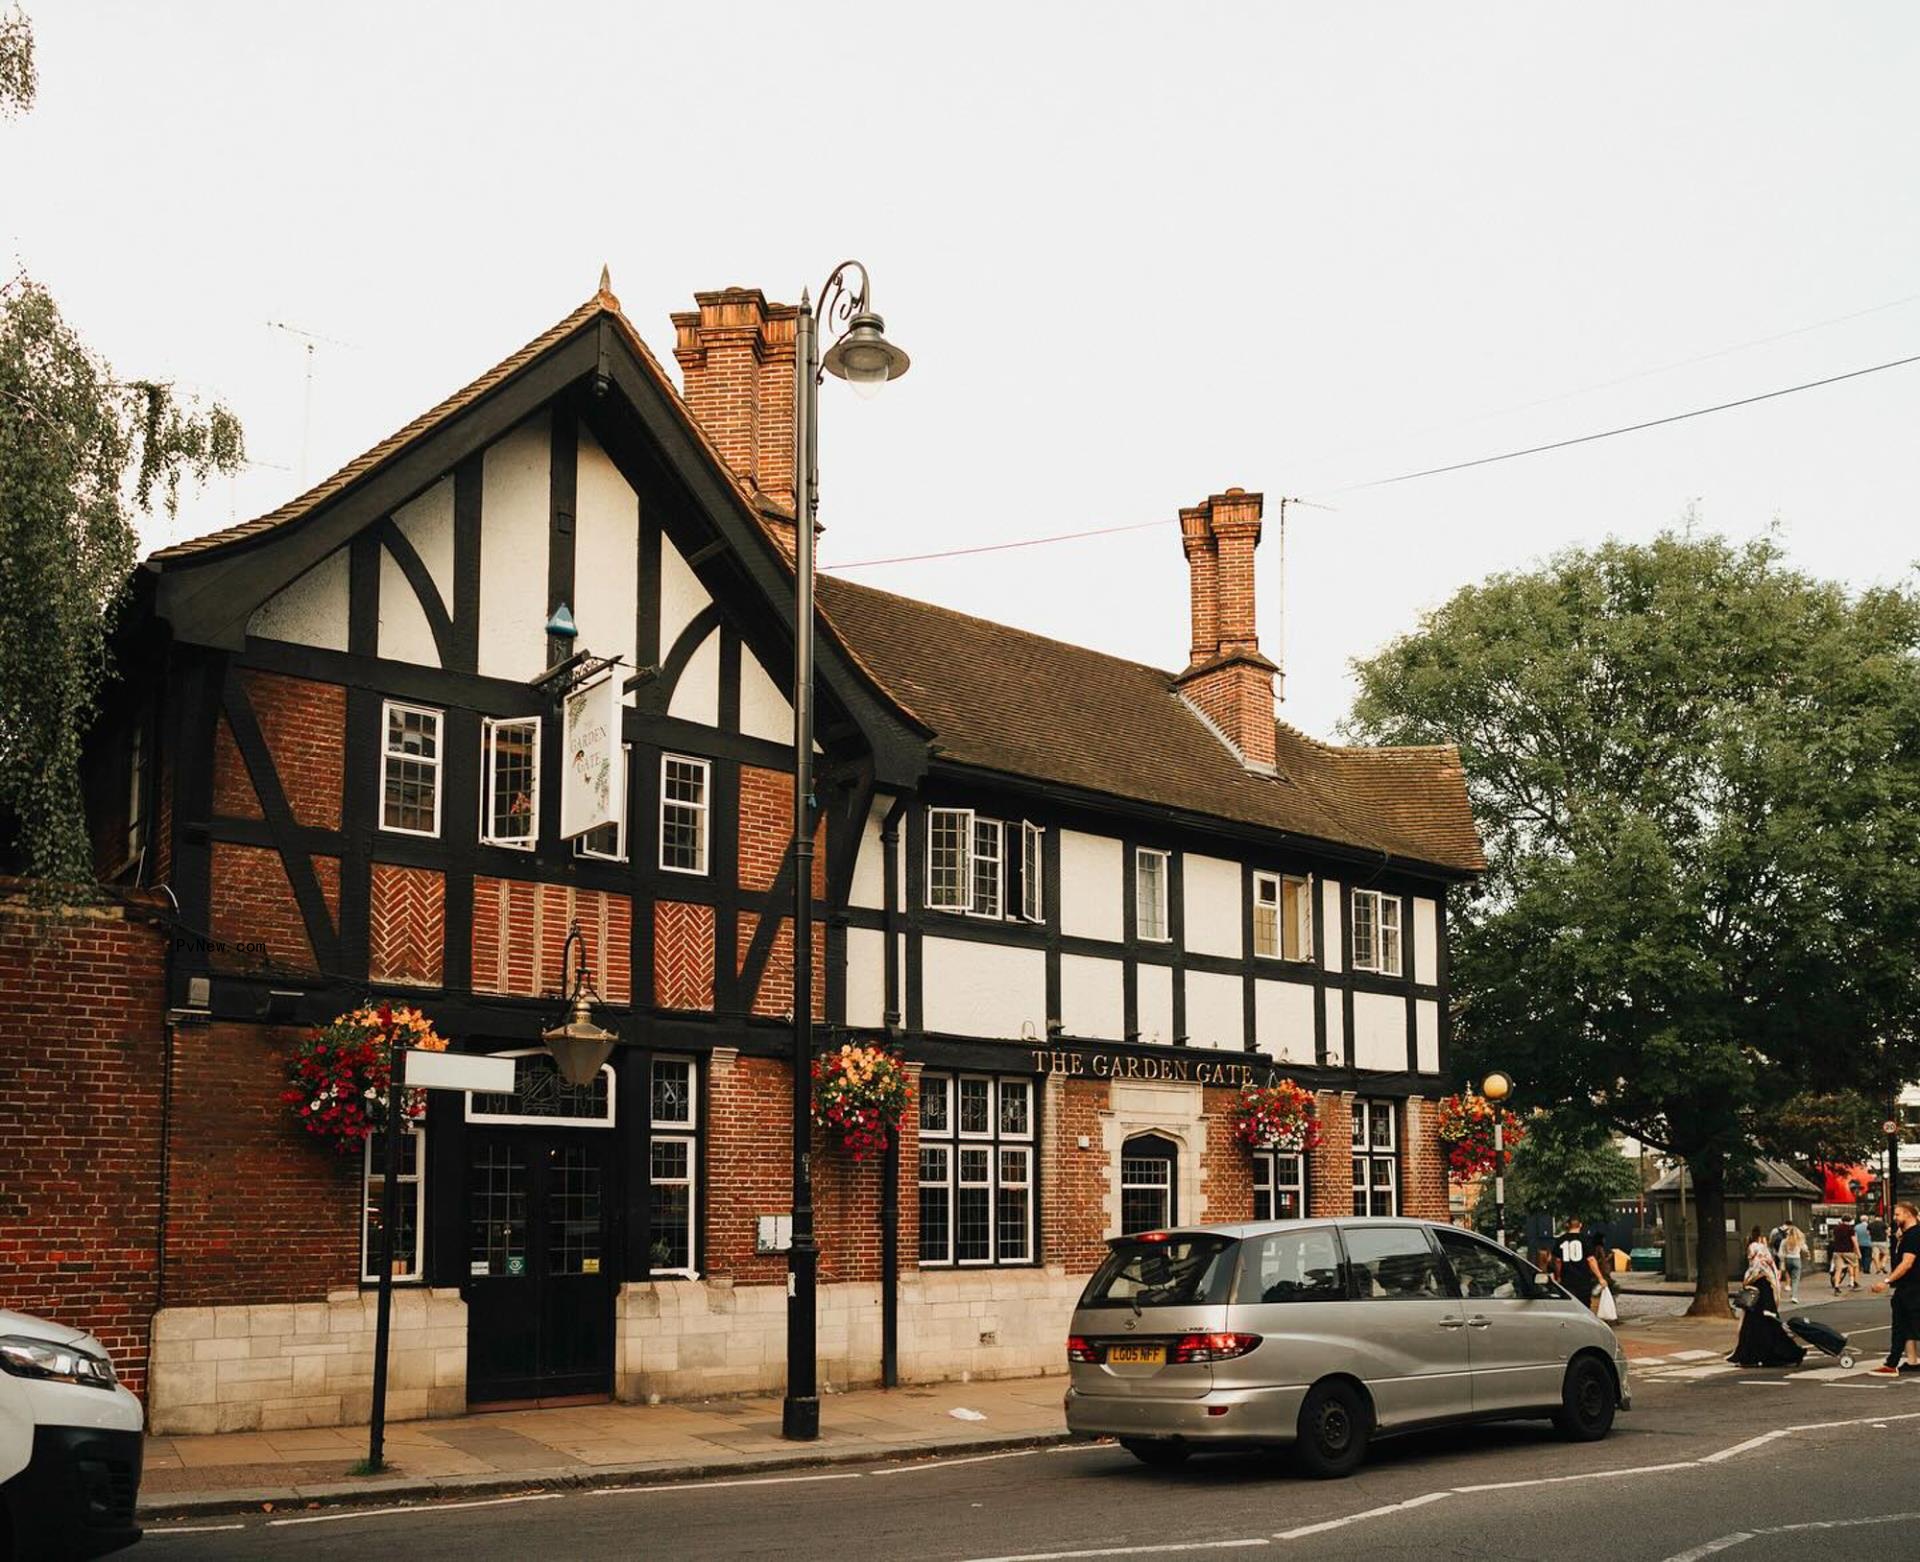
pixel 682 955
pixel 305 727
pixel 749 1129
pixel 1226 1162
pixel 766 830
pixel 1074 1199
pixel 81 1059
pixel 520 931
pixel 258 1209
pixel 1423 1164
pixel 407 925
pixel 253 905
pixel 774 996
pixel 1330 1178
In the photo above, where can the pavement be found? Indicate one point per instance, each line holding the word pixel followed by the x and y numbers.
pixel 1742 1466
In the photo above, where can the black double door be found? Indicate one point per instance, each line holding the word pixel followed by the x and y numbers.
pixel 539 1283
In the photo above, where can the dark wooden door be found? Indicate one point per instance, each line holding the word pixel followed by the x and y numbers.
pixel 539 1284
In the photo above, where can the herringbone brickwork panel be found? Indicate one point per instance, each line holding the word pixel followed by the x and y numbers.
pixel 682 955
pixel 406 933
pixel 774 997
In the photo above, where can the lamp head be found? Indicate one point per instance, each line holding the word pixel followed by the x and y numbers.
pixel 1496 1086
pixel 863 357
pixel 579 1048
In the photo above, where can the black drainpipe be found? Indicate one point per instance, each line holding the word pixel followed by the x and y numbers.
pixel 890 1166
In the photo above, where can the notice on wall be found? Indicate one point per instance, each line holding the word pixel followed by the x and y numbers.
pixel 590 792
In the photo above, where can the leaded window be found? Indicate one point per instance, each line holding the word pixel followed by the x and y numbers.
pixel 510 782
pixel 1150 895
pixel 1376 1158
pixel 1149 1179
pixel 976 1170
pixel 1376 932
pixel 673 1158
pixel 409 769
pixel 409 1226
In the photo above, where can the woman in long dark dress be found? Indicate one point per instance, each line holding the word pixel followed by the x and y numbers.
pixel 1764 1341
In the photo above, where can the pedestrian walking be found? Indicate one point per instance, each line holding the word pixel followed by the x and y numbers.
pixel 1843 1255
pixel 1763 1342
pixel 1903 1279
pixel 1863 1240
pixel 1882 1247
pixel 1794 1252
pixel 1574 1264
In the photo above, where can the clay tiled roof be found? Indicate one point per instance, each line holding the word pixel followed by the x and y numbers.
pixel 1006 700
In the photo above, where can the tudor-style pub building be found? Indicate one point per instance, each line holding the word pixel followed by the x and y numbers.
pixel 1087 899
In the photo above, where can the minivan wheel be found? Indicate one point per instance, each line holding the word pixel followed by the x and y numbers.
pixel 1586 1402
pixel 1156 1451
pixel 1333 1431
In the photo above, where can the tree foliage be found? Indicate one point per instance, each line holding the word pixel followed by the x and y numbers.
pixel 1823 1127
pixel 1697 774
pixel 79 452
pixel 1566 1165
pixel 18 77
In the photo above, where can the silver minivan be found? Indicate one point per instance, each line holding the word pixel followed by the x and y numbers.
pixel 1325 1333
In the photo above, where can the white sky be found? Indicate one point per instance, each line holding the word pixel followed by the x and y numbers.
pixel 1137 257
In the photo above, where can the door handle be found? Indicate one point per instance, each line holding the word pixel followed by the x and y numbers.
pixel 1453 1323
pixel 1479 1321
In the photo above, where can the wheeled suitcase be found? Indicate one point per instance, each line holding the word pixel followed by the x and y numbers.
pixel 1821 1336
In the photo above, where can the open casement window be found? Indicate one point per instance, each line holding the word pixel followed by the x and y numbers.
pixel 1147 1184
pixel 510 782
pixel 608 842
pixel 409 1225
pixel 137 792
pixel 684 785
pixel 409 769
pixel 1376 932
pixel 1150 896
pixel 673 1159
pixel 1376 1159
pixel 1033 897
pixel 1282 916
pixel 976 1170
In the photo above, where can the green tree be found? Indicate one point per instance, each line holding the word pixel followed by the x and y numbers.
pixel 1823 1128
pixel 1697 774
pixel 80 452
pixel 1566 1165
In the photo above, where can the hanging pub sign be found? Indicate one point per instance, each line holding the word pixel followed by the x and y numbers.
pixel 590 790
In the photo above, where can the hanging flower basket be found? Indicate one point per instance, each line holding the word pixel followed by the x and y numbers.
pixel 339 1075
pixel 861 1093
pixel 1466 1129
pixel 1279 1116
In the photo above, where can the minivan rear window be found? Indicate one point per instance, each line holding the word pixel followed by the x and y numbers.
pixel 1177 1271
pixel 1291 1266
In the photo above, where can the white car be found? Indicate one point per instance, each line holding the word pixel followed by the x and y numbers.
pixel 69 1444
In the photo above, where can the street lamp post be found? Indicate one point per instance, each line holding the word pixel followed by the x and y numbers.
pixel 1496 1087
pixel 867 360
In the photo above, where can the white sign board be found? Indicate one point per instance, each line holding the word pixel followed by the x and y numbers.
pixel 590 791
pixel 460 1071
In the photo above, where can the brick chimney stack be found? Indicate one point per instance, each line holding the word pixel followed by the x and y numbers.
pixel 736 355
pixel 1227 679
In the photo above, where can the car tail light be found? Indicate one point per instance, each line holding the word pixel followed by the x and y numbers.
pixel 1197 1349
pixel 1079 1350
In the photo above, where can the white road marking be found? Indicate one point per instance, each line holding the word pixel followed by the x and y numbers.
pixel 1765 1382
pixel 1711 1546
pixel 1130 1551
pixel 941 1464
pixel 1726 1542
pixel 418 1508
pixel 1585 1475
pixel 1739 1448
pixel 1354 1518
pixel 192 1529
pixel 1700 1372
pixel 1694 1355
pixel 762 1480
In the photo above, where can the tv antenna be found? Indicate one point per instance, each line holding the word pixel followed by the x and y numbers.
pixel 311 339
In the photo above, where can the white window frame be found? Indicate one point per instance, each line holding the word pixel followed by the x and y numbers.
pixel 1164 898
pixel 1167 1189
pixel 959 823
pixel 619 852
pixel 701 810
pixel 1267 1180
pixel 1300 925
pixel 1265 883
pixel 993 904
pixel 513 1119
pixel 137 791
pixel 1366 1113
pixel 1033 888
pixel 1303 923
pixel 387 753
pixel 368 1171
pixel 995 1141
pixel 1383 919
pixel 687 1133
pixel 489 782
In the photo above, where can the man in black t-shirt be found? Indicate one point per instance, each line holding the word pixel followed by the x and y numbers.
pixel 1575 1263
pixel 1903 1277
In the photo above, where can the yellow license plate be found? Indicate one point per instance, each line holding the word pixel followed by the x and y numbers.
pixel 1136 1355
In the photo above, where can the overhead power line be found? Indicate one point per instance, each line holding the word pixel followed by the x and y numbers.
pixel 1405 477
